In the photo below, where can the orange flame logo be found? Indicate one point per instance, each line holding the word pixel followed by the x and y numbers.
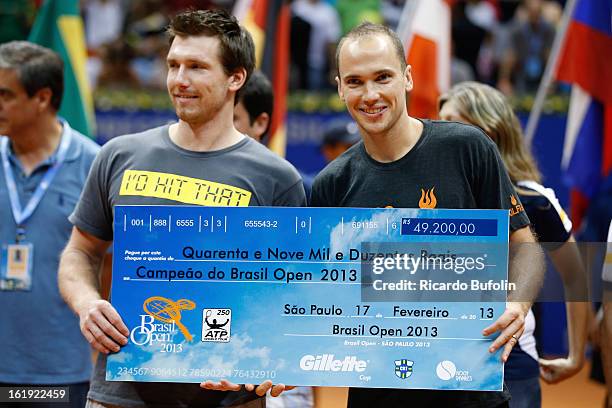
pixel 428 200
pixel 513 200
pixel 169 311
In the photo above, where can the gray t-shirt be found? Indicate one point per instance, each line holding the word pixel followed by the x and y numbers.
pixel 149 169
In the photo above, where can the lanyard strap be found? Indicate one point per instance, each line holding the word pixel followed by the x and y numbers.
pixel 21 215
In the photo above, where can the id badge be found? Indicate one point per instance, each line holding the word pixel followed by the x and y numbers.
pixel 16 271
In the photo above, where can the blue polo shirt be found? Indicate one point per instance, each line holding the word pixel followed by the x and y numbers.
pixel 40 338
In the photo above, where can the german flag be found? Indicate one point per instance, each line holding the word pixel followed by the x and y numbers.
pixel 268 21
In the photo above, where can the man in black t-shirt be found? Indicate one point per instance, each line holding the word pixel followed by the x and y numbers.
pixel 406 162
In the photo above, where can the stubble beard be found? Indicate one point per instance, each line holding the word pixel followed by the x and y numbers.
pixel 189 116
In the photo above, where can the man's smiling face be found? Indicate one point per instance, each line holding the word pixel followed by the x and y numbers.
pixel 372 83
pixel 196 82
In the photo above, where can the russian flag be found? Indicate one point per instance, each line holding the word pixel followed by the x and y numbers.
pixel 585 63
pixel 426 35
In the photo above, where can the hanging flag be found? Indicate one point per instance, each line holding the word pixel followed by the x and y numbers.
pixel 268 21
pixel 587 152
pixel 59 26
pixel 425 31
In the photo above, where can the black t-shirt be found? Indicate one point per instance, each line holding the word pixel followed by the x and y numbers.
pixel 549 223
pixel 451 166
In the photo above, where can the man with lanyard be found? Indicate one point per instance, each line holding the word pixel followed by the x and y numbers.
pixel 44 166
pixel 210 58
pixel 405 162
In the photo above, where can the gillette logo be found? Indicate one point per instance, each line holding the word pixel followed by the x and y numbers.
pixel 326 362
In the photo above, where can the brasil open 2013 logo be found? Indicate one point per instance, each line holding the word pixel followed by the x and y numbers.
pixel 163 316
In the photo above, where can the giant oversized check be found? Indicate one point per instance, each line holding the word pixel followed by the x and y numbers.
pixel 310 296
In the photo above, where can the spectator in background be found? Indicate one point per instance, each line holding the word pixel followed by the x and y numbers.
pixel 501 36
pixel 525 57
pixel 482 13
pixel 467 37
pixel 338 139
pixel 253 112
pixel 324 33
pixel 116 71
pixel 552 12
pixel 103 20
pixel 146 17
pixel 44 167
pixel 145 32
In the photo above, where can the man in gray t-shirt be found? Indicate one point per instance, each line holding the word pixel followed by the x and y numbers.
pixel 201 160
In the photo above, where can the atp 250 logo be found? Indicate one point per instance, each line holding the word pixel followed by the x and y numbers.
pixel 216 325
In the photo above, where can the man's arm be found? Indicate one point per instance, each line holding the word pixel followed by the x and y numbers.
pixel 526 271
pixel 79 284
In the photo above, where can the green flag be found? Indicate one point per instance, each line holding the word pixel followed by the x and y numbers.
pixel 59 26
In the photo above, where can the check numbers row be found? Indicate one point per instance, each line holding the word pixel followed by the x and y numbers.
pixel 207 224
pixel 301 225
